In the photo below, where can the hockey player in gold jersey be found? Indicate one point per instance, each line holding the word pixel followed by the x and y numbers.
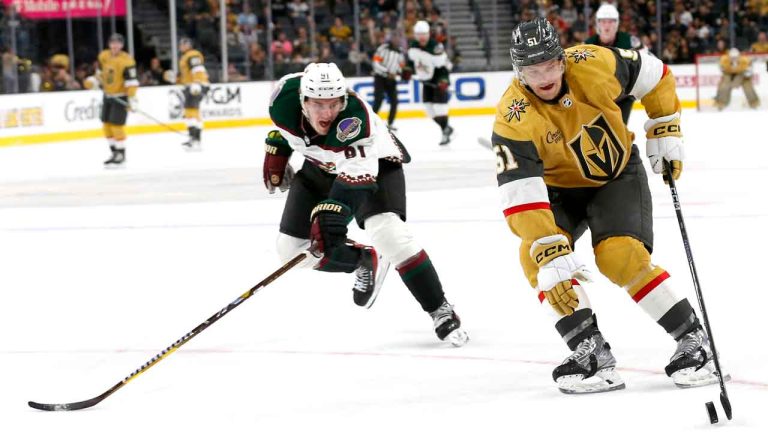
pixel 737 72
pixel 118 79
pixel 194 78
pixel 566 162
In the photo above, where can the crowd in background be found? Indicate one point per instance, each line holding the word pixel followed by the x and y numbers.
pixel 689 27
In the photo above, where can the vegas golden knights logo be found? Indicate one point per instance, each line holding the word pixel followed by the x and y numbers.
pixel 598 150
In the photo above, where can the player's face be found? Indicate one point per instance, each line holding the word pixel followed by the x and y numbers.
pixel 423 38
pixel 607 29
pixel 322 112
pixel 115 46
pixel 545 79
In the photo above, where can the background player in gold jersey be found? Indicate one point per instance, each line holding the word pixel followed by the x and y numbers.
pixel 566 162
pixel 737 72
pixel 194 78
pixel 117 75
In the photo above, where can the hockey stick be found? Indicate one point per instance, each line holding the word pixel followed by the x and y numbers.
pixel 485 142
pixel 724 401
pixel 147 115
pixel 176 345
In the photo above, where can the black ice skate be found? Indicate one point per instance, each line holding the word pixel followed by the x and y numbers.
pixel 117 160
pixel 369 277
pixel 448 325
pixel 447 132
pixel 590 369
pixel 692 364
pixel 192 145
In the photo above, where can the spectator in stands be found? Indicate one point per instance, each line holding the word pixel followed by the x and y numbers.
pixel 258 61
pixel 761 45
pixel 568 13
pixel 234 74
pixel 301 43
pixel 340 36
pixel 62 80
pixel 282 45
pixel 297 12
pixel 10 69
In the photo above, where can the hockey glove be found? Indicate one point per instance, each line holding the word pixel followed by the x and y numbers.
pixel 329 225
pixel 442 86
pixel 406 74
pixel 665 141
pixel 195 89
pixel 277 173
pixel 133 103
pixel 557 266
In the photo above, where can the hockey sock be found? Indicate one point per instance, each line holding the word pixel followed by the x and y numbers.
pixel 680 319
pixel 420 276
pixel 576 327
pixel 442 121
pixel 344 259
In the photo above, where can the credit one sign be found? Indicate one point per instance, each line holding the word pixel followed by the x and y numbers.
pixel 57 9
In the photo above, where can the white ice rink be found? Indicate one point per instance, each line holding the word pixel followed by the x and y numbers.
pixel 101 270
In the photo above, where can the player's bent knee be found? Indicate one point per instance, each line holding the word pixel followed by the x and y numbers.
pixel 622 259
pixel 289 246
pixel 391 237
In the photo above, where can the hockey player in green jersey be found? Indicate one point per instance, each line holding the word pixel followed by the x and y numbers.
pixel 428 60
pixel 352 168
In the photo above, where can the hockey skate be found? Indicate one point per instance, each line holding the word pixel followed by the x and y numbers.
pixel 192 145
pixel 369 277
pixel 448 325
pixel 447 132
pixel 692 364
pixel 590 369
pixel 117 160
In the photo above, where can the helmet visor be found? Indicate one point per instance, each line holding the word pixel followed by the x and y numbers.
pixel 542 73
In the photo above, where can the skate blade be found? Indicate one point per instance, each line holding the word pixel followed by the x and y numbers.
pixel 690 377
pixel 603 381
pixel 115 166
pixel 457 338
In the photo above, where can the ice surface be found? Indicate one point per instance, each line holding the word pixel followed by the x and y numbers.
pixel 101 270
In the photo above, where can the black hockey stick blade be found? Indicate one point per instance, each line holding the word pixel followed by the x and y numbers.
pixel 726 403
pixel 74 406
pixel 67 406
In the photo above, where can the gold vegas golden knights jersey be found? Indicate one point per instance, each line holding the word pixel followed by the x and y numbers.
pixel 118 73
pixel 739 66
pixel 192 68
pixel 577 140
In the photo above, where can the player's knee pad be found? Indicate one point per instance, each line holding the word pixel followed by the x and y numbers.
pixel 107 127
pixel 430 109
pixel 391 237
pixel 118 132
pixel 289 246
pixel 440 109
pixel 623 260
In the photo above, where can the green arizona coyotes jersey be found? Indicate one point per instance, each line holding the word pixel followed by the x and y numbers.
pixel 358 138
pixel 577 140
pixel 429 62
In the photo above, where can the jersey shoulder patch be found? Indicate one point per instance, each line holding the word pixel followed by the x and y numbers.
pixel 515 115
pixel 352 125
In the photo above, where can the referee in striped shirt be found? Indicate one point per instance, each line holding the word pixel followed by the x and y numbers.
pixel 388 62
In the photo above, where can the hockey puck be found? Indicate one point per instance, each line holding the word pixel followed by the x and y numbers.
pixel 712 412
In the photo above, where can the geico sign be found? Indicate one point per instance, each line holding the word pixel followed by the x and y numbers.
pixel 74 111
pixel 471 88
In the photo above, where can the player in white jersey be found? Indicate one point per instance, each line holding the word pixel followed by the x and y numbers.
pixel 428 60
pixel 352 168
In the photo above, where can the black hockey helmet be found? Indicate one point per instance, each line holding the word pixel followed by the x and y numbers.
pixel 185 40
pixel 117 37
pixel 534 42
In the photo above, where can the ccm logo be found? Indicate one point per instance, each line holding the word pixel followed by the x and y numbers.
pixel 554 250
pixel 673 128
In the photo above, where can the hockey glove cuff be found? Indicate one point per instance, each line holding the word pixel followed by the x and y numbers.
pixel 665 141
pixel 277 173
